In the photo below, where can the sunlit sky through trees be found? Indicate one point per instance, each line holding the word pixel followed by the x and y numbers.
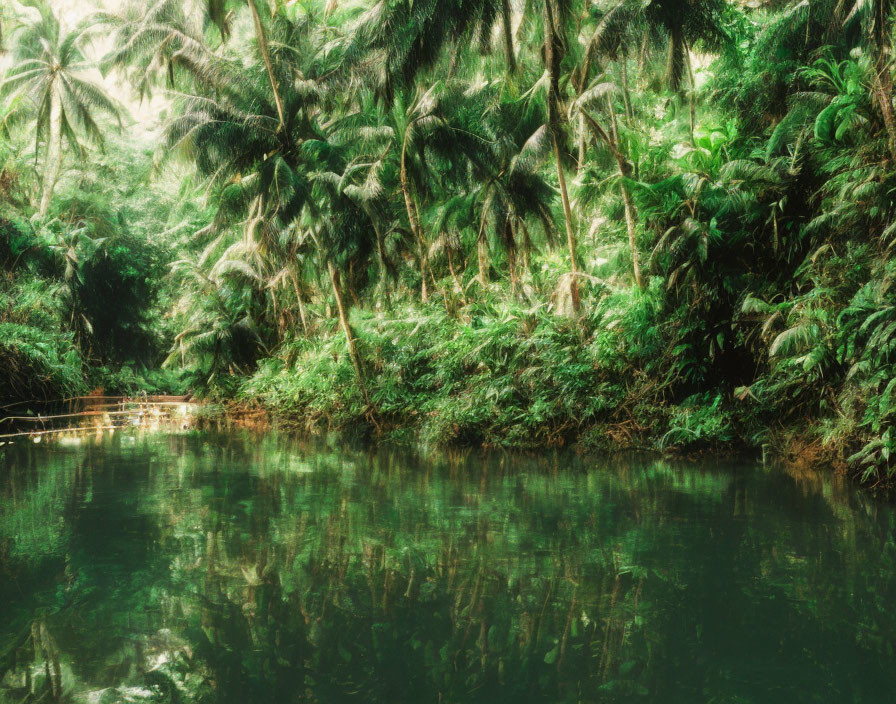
pixel 147 114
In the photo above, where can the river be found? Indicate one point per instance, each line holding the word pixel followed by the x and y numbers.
pixel 244 567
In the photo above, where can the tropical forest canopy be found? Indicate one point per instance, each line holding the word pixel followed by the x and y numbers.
pixel 660 223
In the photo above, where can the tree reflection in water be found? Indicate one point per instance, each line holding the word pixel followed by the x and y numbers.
pixel 244 568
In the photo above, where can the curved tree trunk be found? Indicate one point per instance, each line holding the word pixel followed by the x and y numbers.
pixel 263 46
pixel 54 151
pixel 335 281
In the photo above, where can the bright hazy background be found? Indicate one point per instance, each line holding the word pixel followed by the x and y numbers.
pixel 145 114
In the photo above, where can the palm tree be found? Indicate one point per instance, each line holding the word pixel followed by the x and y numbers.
pixel 603 92
pixel 50 71
pixel 167 33
pixel 277 180
pixel 808 27
pixel 412 35
pixel 157 39
pixel 677 26
pixel 508 182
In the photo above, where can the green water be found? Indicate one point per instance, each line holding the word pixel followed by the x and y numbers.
pixel 248 568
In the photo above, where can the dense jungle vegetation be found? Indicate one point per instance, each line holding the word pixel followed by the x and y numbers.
pixel 651 223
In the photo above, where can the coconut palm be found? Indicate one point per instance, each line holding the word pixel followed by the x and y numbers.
pixel 412 35
pixel 677 26
pixel 508 181
pixel 277 180
pixel 601 94
pixel 50 70
pixel 148 41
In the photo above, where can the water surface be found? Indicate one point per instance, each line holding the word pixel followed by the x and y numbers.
pixel 232 567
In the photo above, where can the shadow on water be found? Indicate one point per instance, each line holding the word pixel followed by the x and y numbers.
pixel 232 567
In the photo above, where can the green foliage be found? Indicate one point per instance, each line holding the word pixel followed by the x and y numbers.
pixel 38 364
pixel 507 376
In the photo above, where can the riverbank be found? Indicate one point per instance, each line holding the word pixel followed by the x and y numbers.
pixel 507 378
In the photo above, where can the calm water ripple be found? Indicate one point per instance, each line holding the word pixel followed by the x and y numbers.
pixel 236 567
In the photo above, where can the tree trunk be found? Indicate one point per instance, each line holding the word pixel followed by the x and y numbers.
pixel 883 92
pixel 626 96
pixel 411 209
pixel 346 328
pixel 482 254
pixel 693 94
pixel 426 269
pixel 626 196
pixel 507 26
pixel 511 244
pixel 580 84
pixel 581 144
pixel 553 68
pixel 632 241
pixel 526 249
pixel 382 286
pixel 54 151
pixel 458 286
pixel 263 47
pixel 570 234
pixel 302 316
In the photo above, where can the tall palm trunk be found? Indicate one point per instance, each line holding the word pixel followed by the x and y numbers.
pixel 54 150
pixel 335 281
pixel 580 87
pixel 580 138
pixel 552 65
pixel 413 221
pixel 627 203
pixel 425 267
pixel 263 46
pixel 458 286
pixel 611 140
pixel 507 27
pixel 692 98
